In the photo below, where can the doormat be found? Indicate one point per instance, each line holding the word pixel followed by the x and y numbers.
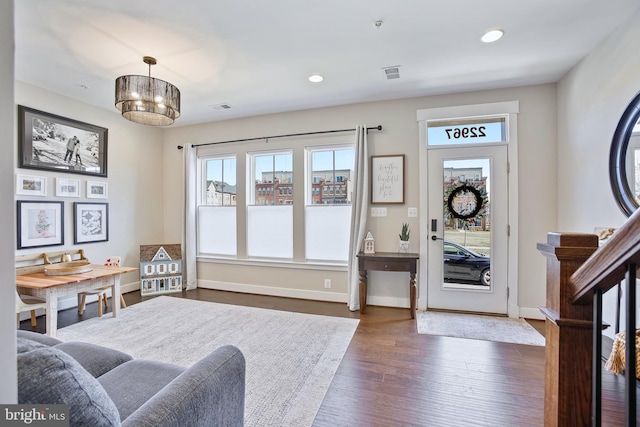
pixel 478 327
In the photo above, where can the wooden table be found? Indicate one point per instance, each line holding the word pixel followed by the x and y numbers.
pixel 53 287
pixel 388 261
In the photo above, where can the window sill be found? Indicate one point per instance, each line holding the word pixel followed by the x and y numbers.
pixel 308 265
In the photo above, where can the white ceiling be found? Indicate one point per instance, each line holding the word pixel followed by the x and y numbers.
pixel 256 55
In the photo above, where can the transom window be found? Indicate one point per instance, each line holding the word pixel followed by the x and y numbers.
pixel 467 131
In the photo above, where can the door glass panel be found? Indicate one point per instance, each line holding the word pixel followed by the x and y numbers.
pixel 467 224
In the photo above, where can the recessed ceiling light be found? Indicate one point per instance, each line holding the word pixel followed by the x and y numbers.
pixel 492 36
pixel 316 78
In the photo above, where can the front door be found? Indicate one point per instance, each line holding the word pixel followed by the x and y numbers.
pixel 468 223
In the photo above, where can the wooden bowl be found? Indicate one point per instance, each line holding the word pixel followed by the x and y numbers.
pixel 66 268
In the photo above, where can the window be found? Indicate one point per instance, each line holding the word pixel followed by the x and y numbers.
pixel 269 216
pixel 330 210
pixel 217 210
pixel 267 196
pixel 220 176
pixel 467 131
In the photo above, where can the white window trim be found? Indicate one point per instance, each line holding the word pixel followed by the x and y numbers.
pixel 202 176
pixel 308 180
pixel 251 183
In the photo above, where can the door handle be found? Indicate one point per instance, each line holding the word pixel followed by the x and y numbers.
pixel 434 238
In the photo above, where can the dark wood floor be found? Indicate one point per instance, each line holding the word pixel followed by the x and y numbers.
pixel 392 376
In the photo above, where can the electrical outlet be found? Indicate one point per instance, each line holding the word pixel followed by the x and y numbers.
pixel 412 212
pixel 378 211
pixel 327 283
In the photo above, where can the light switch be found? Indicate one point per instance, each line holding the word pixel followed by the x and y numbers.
pixel 412 212
pixel 378 211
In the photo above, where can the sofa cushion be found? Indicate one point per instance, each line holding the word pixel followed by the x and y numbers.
pixel 96 359
pixel 41 338
pixel 131 384
pixel 47 375
pixel 24 345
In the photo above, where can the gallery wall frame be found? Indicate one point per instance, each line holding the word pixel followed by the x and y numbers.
pixel 40 223
pixel 67 187
pixel 97 190
pixel 54 143
pixel 91 222
pixel 31 185
pixel 387 179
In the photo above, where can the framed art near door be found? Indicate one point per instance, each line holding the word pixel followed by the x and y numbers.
pixel 387 179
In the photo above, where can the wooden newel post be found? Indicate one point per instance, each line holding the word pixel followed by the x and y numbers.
pixel 569 333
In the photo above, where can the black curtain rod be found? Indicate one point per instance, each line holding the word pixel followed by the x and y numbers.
pixel 379 127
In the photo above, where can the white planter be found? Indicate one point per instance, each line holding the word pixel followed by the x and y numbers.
pixel 404 246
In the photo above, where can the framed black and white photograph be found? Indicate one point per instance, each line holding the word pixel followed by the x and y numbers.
pixel 55 143
pixel 40 224
pixel 387 179
pixel 67 187
pixel 30 185
pixel 91 222
pixel 96 190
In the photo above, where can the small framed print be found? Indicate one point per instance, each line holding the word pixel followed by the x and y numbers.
pixel 67 187
pixel 96 190
pixel 91 222
pixel 29 185
pixel 40 224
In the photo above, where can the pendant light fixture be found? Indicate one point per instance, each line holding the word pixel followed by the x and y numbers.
pixel 146 100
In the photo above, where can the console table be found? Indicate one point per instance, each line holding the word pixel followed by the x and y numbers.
pixel 388 261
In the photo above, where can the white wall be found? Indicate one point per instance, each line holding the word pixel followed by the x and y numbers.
pixel 8 377
pixel 135 182
pixel 591 99
pixel 537 185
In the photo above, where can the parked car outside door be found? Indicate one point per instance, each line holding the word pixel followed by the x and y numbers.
pixel 462 265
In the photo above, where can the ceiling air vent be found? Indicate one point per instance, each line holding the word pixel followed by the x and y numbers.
pixel 221 107
pixel 392 72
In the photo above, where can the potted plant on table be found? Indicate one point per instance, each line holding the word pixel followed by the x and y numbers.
pixel 404 238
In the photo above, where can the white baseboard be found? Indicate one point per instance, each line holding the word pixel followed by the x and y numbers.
pixel 130 287
pixel 273 291
pixel 531 313
pixel 388 301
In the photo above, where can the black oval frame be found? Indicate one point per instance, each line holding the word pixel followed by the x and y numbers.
pixel 617 158
pixel 476 193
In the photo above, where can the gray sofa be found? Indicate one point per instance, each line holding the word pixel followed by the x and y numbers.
pixel 105 387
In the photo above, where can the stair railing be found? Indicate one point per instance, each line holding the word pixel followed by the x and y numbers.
pixel 578 273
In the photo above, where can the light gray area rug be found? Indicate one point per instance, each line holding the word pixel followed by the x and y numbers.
pixel 291 357
pixel 478 327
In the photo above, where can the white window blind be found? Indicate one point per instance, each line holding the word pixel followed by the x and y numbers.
pixel 270 231
pixel 217 230
pixel 327 229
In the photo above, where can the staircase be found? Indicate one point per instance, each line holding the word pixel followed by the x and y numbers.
pixel 578 273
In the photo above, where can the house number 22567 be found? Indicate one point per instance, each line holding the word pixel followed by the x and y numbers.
pixel 466 132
